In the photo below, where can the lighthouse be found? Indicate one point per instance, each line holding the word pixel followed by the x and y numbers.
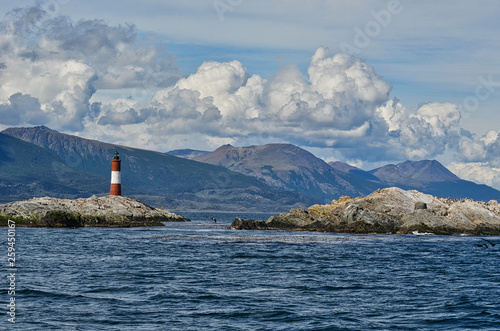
pixel 116 177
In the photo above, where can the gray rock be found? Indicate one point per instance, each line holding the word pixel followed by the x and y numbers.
pixel 240 224
pixel 107 211
pixel 391 210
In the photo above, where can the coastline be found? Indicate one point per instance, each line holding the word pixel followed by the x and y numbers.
pixel 390 210
pixel 107 211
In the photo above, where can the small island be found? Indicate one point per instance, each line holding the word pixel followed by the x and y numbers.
pixel 391 210
pixel 106 211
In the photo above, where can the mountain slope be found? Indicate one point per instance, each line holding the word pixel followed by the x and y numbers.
pixel 414 173
pixel 158 178
pixel 27 170
pixel 347 168
pixel 431 177
pixel 289 167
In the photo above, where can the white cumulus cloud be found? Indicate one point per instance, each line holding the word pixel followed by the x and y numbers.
pixel 52 68
pixel 337 101
pixel 61 64
pixel 479 172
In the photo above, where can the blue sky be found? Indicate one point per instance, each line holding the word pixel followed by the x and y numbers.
pixel 429 50
pixel 152 67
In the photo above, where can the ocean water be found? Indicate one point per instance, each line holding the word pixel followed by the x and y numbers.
pixel 204 276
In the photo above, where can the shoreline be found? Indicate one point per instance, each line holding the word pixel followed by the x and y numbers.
pixel 108 211
pixel 227 212
pixel 391 210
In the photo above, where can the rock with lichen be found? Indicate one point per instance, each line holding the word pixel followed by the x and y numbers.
pixel 390 210
pixel 107 211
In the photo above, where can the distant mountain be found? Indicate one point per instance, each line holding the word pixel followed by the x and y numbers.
pixel 27 171
pixel 155 177
pixel 414 173
pixel 347 168
pixel 431 177
pixel 187 153
pixel 39 161
pixel 289 167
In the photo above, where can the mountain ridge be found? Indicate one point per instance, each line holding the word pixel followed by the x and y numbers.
pixel 290 167
pixel 344 167
pixel 28 170
pixel 414 173
pixel 271 177
pixel 161 179
pixel 428 176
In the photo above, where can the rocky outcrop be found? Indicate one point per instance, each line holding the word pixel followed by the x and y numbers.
pixel 390 210
pixel 107 211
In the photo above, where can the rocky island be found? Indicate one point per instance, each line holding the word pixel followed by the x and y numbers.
pixel 390 210
pixel 107 211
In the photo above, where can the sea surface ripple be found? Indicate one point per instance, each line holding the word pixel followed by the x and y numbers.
pixel 203 276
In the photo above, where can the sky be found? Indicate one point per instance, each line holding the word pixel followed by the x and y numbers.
pixel 367 82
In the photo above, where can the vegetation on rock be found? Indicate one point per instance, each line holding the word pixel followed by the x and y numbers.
pixel 108 211
pixel 390 210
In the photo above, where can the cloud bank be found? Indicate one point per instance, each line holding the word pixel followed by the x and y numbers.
pixel 52 68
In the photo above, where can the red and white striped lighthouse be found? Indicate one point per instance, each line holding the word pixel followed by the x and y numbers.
pixel 116 177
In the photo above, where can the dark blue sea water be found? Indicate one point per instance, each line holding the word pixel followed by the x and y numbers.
pixel 203 276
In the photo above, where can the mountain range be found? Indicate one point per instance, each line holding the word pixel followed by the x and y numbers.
pixel 275 177
pixel 289 167
pixel 431 177
pixel 427 176
pixel 149 176
pixel 27 171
